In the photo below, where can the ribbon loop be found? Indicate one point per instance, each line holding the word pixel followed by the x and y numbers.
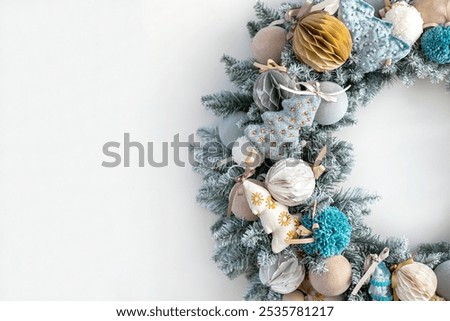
pixel 395 268
pixel 317 168
pixel 314 89
pixel 372 261
pixel 271 65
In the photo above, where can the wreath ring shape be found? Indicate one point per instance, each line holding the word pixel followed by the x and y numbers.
pixel 273 167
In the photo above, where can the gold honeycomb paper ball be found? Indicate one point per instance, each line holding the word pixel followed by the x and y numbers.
pixel 322 41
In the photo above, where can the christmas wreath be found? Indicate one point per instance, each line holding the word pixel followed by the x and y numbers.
pixel 272 168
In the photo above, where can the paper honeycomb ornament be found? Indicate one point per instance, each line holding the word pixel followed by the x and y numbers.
pixel 321 41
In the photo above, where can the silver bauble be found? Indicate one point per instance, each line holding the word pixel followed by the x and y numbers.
pixel 330 112
pixel 266 92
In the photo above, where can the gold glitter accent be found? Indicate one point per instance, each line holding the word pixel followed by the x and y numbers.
pixel 262 139
pixel 284 219
pixel 270 203
pixel 257 198
pixel 280 118
pixel 318 297
pixel 291 235
pixel 283 132
pixel 273 144
pixel 291 127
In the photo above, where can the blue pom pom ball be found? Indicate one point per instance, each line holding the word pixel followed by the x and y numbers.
pixel 436 44
pixel 333 234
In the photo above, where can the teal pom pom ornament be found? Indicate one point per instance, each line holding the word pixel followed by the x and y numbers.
pixel 436 44
pixel 332 235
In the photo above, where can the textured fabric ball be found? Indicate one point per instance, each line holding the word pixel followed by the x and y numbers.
pixel 228 129
pixel 336 280
pixel 415 282
pixel 436 44
pixel 433 11
pixel 245 154
pixel 290 181
pixel 240 207
pixel 333 234
pixel 322 41
pixel 443 276
pixel 294 296
pixel 406 20
pixel 268 43
pixel 284 276
pixel 331 112
pixel 266 92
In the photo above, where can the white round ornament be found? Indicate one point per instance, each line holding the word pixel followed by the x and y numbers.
pixel 228 129
pixel 245 154
pixel 330 112
pixel 290 181
pixel 414 282
pixel 284 276
pixel 442 272
pixel 268 43
pixel 406 20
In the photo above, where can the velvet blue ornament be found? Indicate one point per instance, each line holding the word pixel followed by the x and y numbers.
pixel 380 284
pixel 333 234
pixel 283 127
pixel 436 44
pixel 373 42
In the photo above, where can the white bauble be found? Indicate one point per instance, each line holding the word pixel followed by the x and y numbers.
pixel 407 22
pixel 245 154
pixel 416 282
pixel 284 276
pixel 443 276
pixel 290 181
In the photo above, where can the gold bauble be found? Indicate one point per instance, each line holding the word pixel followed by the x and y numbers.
pixel 322 41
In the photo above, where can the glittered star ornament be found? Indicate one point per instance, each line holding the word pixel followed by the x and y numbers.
pixel 282 128
pixel 373 43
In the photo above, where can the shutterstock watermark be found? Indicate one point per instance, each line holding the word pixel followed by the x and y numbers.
pixel 130 153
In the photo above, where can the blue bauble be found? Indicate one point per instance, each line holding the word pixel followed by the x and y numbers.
pixel 333 234
pixel 436 44
pixel 229 130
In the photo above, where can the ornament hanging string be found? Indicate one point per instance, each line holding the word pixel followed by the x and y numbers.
pixel 317 168
pixel 372 260
pixel 395 268
pixel 250 169
pixel 314 89
pixel 303 231
pixel 271 65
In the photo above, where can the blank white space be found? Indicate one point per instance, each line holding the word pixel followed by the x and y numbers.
pixel 77 74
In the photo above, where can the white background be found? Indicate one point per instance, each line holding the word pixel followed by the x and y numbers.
pixel 77 74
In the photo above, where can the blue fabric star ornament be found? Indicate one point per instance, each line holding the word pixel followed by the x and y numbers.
pixel 373 43
pixel 282 128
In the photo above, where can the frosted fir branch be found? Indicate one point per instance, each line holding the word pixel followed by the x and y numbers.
pixel 226 102
pixel 433 254
pixel 241 73
pixel 260 292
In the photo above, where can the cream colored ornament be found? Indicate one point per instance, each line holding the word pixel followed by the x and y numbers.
pixel 291 181
pixel 433 12
pixel 406 20
pixel 275 217
pixel 269 43
pixel 284 275
pixel 239 204
pixel 245 154
pixel 313 295
pixel 336 280
pixel 413 281
pixel 294 296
